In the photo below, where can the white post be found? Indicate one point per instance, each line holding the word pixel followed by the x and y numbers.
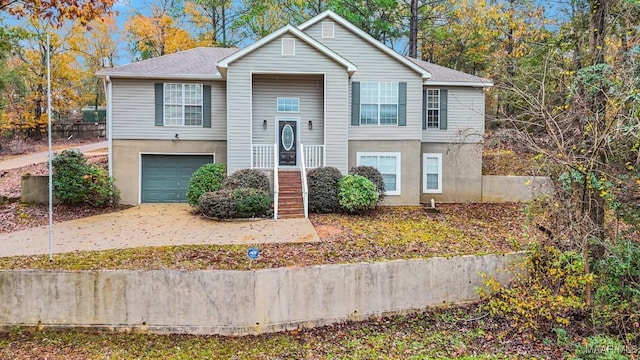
pixel 109 125
pixel 50 151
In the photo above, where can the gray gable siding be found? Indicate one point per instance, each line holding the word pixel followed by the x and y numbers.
pixel 374 65
pixel 269 59
pixel 465 118
pixel 309 89
pixel 134 113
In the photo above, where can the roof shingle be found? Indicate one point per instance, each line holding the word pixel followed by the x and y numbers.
pixel 199 61
pixel 441 74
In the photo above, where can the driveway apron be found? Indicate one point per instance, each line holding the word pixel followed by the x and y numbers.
pixel 152 225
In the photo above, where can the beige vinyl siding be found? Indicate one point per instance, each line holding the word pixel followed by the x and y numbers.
pixel 309 89
pixel 269 59
pixel 465 118
pixel 134 113
pixel 376 66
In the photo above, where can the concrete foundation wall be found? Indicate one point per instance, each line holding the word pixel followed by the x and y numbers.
pixel 239 302
pixel 35 190
pixel 126 160
pixel 409 166
pixel 496 189
pixel 461 172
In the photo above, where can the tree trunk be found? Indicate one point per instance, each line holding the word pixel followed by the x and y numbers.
pixel 413 29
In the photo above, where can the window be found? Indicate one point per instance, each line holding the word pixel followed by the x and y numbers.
pixel 433 109
pixel 389 166
pixel 379 103
pixel 432 173
pixel 327 30
pixel 183 104
pixel 291 105
pixel 288 46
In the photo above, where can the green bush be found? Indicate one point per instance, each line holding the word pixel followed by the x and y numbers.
pixel 617 295
pixel 357 194
pixel 373 175
pixel 218 204
pixel 207 178
pixel 324 188
pixel 236 203
pixel 247 178
pixel 75 181
pixel 251 202
pixel 600 347
pixel 548 290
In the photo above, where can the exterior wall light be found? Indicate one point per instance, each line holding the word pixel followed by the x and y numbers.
pixel 310 125
pixel 264 124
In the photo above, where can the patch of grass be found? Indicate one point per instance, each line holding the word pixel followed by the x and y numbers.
pixel 388 233
pixel 415 336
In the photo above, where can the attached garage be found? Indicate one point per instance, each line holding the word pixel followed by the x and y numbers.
pixel 165 178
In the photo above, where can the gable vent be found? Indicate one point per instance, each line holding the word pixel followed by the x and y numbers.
pixel 288 46
pixel 327 30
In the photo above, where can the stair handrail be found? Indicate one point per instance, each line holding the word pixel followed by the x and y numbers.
pixel 276 184
pixel 305 189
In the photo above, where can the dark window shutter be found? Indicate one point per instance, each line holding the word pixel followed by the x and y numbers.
pixel 402 104
pixel 159 104
pixel 355 103
pixel 424 109
pixel 443 109
pixel 206 106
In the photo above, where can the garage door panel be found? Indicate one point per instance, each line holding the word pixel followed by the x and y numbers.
pixel 165 178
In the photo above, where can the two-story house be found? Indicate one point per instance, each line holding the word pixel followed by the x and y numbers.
pixel 324 93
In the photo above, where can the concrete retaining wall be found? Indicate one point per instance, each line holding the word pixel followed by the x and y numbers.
pixel 239 302
pixel 35 189
pixel 497 189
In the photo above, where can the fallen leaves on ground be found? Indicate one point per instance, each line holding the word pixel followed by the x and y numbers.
pixel 388 233
pixel 11 180
pixel 463 331
pixel 16 216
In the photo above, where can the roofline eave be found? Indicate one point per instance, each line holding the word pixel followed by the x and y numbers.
pixel 217 76
pixel 458 83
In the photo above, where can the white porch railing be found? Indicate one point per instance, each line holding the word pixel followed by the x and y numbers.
pixel 305 188
pixel 263 156
pixel 276 182
pixel 313 156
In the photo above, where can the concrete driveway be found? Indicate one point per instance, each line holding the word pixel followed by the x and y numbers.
pixel 152 225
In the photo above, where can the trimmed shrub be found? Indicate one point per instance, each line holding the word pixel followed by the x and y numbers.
pixel 75 181
pixel 247 178
pixel 208 178
pixel 236 203
pixel 251 202
pixel 324 189
pixel 357 194
pixel 373 175
pixel 218 204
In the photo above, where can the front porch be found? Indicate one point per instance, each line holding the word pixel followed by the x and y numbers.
pixel 288 134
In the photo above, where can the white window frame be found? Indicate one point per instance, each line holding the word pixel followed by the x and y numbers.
pixel 437 108
pixel 295 102
pixel 328 29
pixel 183 104
pixel 379 102
pixel 288 44
pixel 398 173
pixel 426 156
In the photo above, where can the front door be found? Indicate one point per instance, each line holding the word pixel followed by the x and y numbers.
pixel 287 142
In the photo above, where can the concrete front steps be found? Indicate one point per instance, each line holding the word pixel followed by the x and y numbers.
pixel 290 202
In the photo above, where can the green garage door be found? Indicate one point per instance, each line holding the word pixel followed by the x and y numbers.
pixel 165 177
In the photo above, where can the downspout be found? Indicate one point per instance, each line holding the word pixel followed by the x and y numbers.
pixel 108 91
